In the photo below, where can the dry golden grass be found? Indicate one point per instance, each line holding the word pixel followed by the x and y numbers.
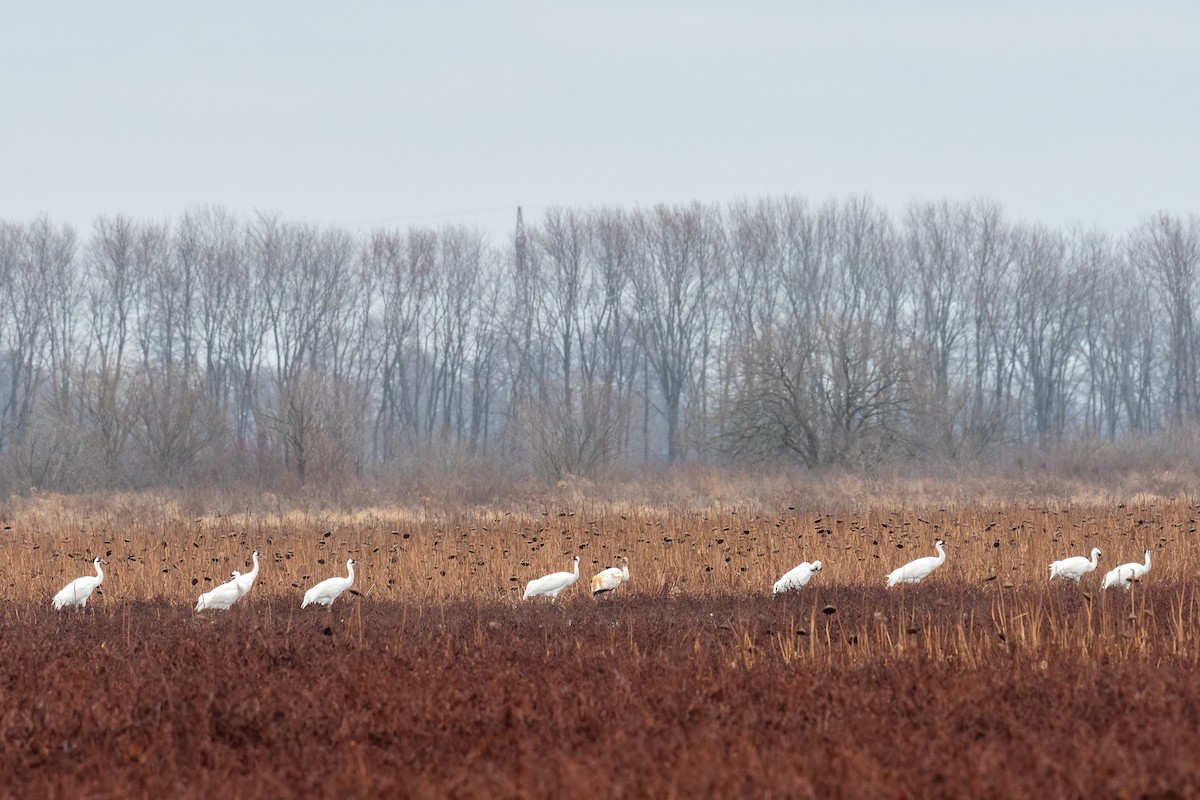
pixel 156 548
pixel 435 679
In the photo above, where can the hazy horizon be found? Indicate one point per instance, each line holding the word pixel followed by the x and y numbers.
pixel 377 114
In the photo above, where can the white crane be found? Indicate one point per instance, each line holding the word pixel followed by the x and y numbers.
pixel 246 582
pixel 797 577
pixel 223 596
pixel 327 590
pixel 228 593
pixel 606 581
pixel 552 584
pixel 1126 574
pixel 77 592
pixel 918 570
pixel 1075 567
pixel 1139 570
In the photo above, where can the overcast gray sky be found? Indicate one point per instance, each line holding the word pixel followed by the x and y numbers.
pixel 366 114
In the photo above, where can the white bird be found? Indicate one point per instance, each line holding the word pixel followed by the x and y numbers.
pixel 919 569
pixel 246 582
pixel 327 590
pixel 77 592
pixel 228 593
pixel 797 577
pixel 552 584
pixel 1075 567
pixel 222 597
pixel 1126 574
pixel 606 581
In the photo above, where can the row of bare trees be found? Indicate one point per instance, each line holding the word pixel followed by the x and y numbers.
pixel 217 348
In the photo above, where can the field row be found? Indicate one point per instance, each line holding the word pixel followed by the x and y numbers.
pixel 492 555
pixel 841 692
pixel 434 680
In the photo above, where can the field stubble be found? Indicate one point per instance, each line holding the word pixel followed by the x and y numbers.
pixel 434 680
pixel 157 550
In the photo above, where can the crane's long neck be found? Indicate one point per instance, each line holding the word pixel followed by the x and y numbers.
pixel 99 573
pixel 576 562
pixel 350 567
pixel 1095 556
pixel 254 572
pixel 941 553
pixel 1147 559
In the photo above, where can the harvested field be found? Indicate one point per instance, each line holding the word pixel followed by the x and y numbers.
pixel 157 550
pixel 984 680
pixel 645 697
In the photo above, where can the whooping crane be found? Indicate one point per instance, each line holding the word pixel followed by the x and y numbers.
pixel 606 581
pixel 327 590
pixel 797 577
pixel 1126 574
pixel 246 582
pixel 918 570
pixel 223 596
pixel 228 593
pixel 552 584
pixel 1075 567
pixel 77 592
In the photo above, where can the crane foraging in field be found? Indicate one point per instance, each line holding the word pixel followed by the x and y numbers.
pixel 797 577
pixel 552 584
pixel 223 596
pixel 919 569
pixel 1126 574
pixel 607 581
pixel 77 592
pixel 1075 567
pixel 229 592
pixel 246 582
pixel 325 592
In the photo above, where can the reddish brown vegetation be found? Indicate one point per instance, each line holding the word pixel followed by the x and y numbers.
pixel 938 690
pixel 435 681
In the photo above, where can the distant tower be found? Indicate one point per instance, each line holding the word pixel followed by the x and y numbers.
pixel 519 244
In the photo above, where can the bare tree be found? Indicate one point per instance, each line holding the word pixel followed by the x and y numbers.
pixel 525 354
pixel 773 329
pixel 1109 342
pixel 22 323
pixel 347 353
pixel 48 453
pixel 863 386
pixel 1131 349
pixel 1052 289
pixel 177 420
pixel 487 341
pixel 678 249
pixel 556 423
pixel 825 376
pixel 306 280
pixel 607 340
pixel 992 366
pixel 119 254
pixel 578 417
pixel 176 417
pixel 936 247
pixel 752 296
pixel 1166 249
pixel 209 249
pixel 405 271
pixel 461 265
